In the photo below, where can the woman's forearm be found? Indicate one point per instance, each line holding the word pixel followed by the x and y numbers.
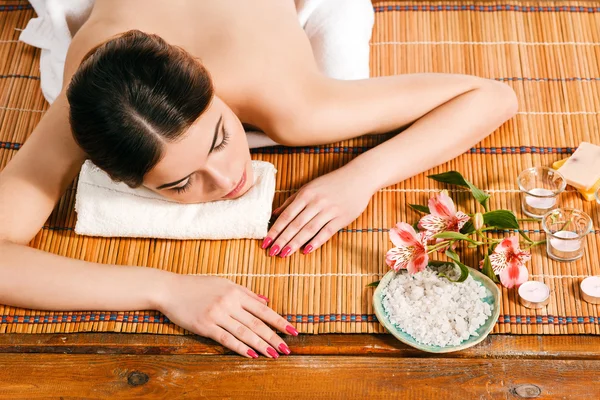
pixel 209 306
pixel 441 135
pixel 31 278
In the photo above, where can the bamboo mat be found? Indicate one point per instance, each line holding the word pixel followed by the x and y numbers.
pixel 549 52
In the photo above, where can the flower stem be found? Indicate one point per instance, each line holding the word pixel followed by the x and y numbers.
pixel 533 244
pixel 435 247
pixel 486 239
pixel 529 220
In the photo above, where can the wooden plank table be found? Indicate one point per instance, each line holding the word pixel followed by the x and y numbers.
pixel 109 365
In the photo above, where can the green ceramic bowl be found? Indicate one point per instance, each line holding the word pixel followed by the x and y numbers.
pixel 483 331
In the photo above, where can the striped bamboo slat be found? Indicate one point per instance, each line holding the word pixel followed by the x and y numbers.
pixel 548 51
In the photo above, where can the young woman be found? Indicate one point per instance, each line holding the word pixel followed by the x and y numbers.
pixel 156 95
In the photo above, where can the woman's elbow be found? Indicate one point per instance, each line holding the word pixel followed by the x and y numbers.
pixel 502 98
pixel 7 240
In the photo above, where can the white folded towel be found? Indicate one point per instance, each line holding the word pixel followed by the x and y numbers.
pixel 339 32
pixel 51 31
pixel 107 208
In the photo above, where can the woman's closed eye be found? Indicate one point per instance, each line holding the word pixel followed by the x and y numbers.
pixel 225 140
pixel 184 188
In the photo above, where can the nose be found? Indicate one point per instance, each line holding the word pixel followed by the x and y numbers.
pixel 218 179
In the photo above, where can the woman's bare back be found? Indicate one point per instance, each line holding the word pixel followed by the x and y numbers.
pixel 256 52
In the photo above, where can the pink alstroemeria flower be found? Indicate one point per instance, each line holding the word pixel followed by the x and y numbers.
pixel 508 262
pixel 443 217
pixel 411 249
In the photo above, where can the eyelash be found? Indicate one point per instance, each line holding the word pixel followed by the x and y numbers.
pixel 222 145
pixel 183 188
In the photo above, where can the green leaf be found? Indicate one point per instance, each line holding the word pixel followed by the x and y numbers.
pixel 373 284
pixel 488 271
pixel 454 236
pixel 451 235
pixel 468 228
pixel 464 273
pixel 416 226
pixel 480 196
pixel 455 178
pixel 525 236
pixel 451 177
pixel 503 219
pixel 437 263
pixel 451 254
pixel 420 208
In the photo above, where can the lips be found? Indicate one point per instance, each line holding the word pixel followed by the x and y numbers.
pixel 236 190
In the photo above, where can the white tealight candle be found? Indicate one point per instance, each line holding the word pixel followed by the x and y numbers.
pixel 566 246
pixel 534 294
pixel 540 202
pixel 590 289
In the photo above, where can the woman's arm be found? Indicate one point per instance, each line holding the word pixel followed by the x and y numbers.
pixel 441 134
pixel 31 278
pixel 452 113
pixel 39 173
pixel 213 307
pixel 329 111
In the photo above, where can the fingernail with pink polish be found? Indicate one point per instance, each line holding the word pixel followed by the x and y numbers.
pixel 291 330
pixel 252 353
pixel 271 351
pixel 284 349
pixel 266 242
pixel 263 297
pixel 307 249
pixel 286 251
pixel 274 251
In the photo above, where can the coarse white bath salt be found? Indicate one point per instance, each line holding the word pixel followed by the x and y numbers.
pixel 435 311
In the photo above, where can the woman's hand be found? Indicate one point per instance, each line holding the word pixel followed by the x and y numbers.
pixel 228 313
pixel 317 211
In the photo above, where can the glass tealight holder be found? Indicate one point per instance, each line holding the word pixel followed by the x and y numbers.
pixel 540 188
pixel 566 229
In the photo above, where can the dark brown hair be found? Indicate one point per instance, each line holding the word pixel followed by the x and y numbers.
pixel 129 96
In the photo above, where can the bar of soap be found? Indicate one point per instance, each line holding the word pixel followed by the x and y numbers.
pixel 582 169
pixel 588 195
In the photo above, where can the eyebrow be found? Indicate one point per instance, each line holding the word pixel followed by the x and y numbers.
pixel 212 147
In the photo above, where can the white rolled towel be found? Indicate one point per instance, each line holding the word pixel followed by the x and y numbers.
pixel 107 208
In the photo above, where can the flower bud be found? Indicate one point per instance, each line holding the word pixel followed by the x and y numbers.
pixel 478 221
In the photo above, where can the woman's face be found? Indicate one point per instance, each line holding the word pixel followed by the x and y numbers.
pixel 210 162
